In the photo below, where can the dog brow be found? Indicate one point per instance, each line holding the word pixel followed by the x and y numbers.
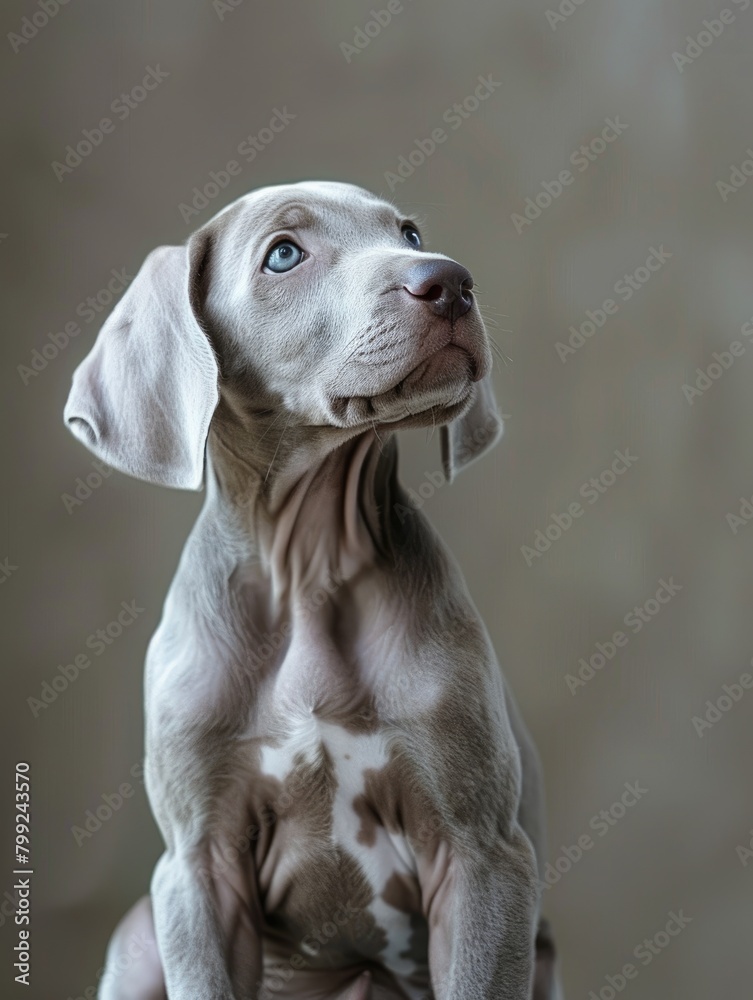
pixel 295 216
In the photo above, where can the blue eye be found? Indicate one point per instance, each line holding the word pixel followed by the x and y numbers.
pixel 412 235
pixel 283 257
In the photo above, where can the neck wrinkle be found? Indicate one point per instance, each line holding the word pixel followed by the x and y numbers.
pixel 319 528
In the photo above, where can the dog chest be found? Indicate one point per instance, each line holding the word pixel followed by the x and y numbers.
pixel 337 873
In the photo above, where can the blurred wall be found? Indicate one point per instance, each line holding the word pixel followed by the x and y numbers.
pixel 611 124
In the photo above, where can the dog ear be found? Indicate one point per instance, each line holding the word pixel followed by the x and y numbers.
pixel 473 433
pixel 143 397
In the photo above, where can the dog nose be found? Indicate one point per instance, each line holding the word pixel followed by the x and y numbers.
pixel 444 285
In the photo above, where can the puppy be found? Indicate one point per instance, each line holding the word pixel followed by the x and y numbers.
pixel 349 802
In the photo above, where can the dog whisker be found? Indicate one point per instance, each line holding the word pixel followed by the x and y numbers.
pixel 278 447
pixel 376 435
pixel 270 427
pixel 504 358
pixel 491 308
pixel 488 320
pixel 430 432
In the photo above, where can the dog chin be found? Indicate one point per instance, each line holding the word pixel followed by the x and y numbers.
pixel 435 404
pixel 434 415
pixel 435 391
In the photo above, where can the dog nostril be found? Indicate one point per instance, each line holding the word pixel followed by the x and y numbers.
pixel 443 285
pixel 431 294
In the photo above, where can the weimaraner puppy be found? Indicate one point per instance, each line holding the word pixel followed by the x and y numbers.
pixel 350 804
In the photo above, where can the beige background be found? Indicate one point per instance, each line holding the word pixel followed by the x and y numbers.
pixel 654 185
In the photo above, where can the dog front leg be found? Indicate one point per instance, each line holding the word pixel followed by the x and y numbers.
pixel 207 929
pixel 482 918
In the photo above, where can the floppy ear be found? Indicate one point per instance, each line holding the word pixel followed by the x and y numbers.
pixel 473 433
pixel 143 398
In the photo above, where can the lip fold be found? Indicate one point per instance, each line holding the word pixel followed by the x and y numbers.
pixel 472 361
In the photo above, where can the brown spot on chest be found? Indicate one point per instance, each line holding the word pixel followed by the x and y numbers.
pixel 403 893
pixel 396 798
pixel 325 911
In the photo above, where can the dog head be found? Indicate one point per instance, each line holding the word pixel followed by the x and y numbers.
pixel 315 303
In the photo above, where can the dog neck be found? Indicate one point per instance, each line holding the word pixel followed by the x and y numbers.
pixel 316 516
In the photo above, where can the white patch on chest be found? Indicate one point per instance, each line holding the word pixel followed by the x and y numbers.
pixel 352 754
